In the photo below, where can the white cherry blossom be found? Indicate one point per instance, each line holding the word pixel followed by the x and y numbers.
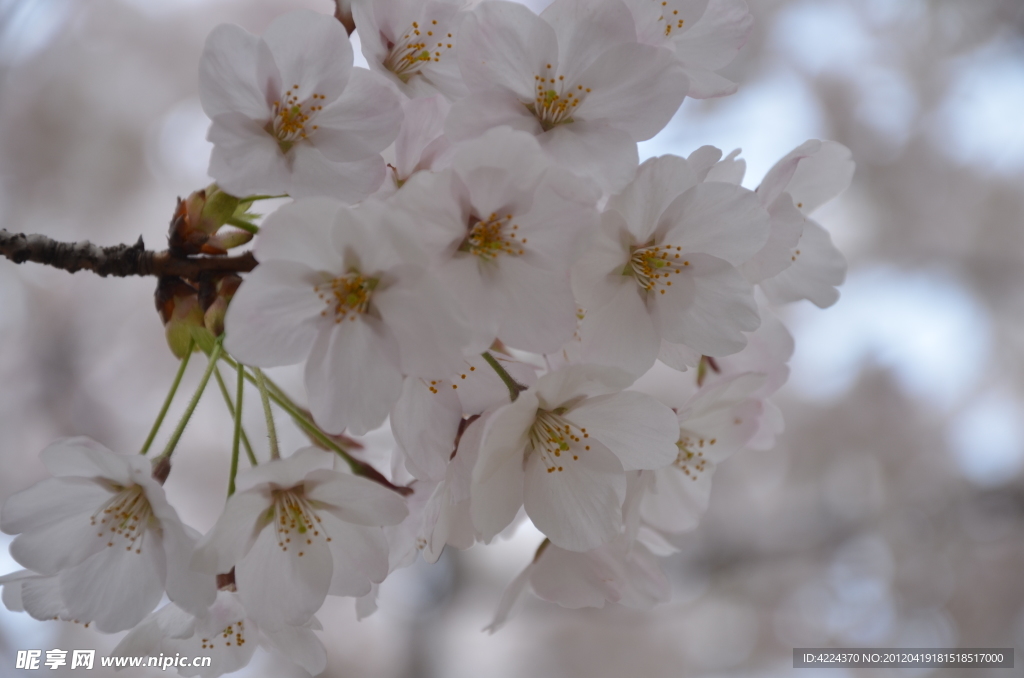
pixel 575 77
pixel 562 450
pixel 663 269
pixel 503 226
pixel 103 534
pixel 421 144
pixel 296 531
pixel 704 35
pixel 290 114
pixel 331 290
pixel 412 43
pixel 226 634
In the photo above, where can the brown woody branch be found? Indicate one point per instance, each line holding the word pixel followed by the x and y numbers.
pixel 119 261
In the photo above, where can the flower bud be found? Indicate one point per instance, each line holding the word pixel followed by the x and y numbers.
pixel 218 305
pixel 198 219
pixel 178 305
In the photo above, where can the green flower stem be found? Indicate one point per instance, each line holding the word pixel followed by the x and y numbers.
pixel 238 430
pixel 167 401
pixel 261 384
pixel 173 442
pixel 231 409
pixel 514 389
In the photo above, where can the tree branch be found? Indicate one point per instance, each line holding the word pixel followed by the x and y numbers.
pixel 119 261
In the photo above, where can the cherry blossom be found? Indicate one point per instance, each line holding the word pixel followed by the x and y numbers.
pixel 226 634
pixel 297 530
pixel 562 450
pixel 103 533
pixel 663 268
pixel 290 114
pixel 575 77
pixel 331 291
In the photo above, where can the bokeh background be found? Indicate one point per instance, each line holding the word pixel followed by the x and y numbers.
pixel 890 514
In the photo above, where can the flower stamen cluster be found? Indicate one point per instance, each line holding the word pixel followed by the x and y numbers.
pixel 291 116
pixel 489 238
pixel 552 434
pixel 348 296
pixel 293 514
pixel 652 265
pixel 406 58
pixel 126 517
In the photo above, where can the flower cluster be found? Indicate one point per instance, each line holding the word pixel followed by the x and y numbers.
pixel 475 256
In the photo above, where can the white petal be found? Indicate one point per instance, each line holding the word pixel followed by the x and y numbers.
pixel 635 88
pixel 58 545
pixel 234 533
pixel 425 423
pixel 579 508
pixel 585 29
pixel 312 51
pixel 638 429
pixel 575 580
pixel 301 646
pixel 41 598
pixel 275 315
pixel 278 586
pixel 227 74
pixel 707 308
pixel 504 44
pixel 658 182
pixel 822 176
pixel 511 600
pixel 302 232
pixel 361 355
pixel 597 151
pixel 117 587
pixel 362 122
pixel 719 219
pixel 715 40
pixel 313 174
pixel 51 500
pixel 787 225
pixel 285 473
pixel 621 333
pixel 245 158
pixel 360 556
pixel 818 268
pixel 537 310
pixel 354 499
pixel 481 111
pixel 81 456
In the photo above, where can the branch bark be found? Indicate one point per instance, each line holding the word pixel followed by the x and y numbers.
pixel 119 261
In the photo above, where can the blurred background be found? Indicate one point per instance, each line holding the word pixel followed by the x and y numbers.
pixel 891 513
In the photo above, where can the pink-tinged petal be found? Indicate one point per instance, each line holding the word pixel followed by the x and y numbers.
pixel 313 174
pixel 117 587
pixel 821 176
pixel 580 507
pixel 11 584
pixel 482 388
pixel 703 159
pixel 708 308
pixel 635 88
pixel 657 22
pixel 597 276
pixel 481 111
pixel 621 333
pixel 360 556
pixel 719 219
pixel 246 159
pixel 677 356
pixel 537 311
pixel 676 500
pixel 658 182
pixel 425 421
pixel 301 231
pixel 639 431
pixel 50 501
pixel 429 328
pixel 787 225
pixel 312 51
pixel 423 123
pixel 280 587
pixel 575 580
pixel 227 74
pixel 496 499
pixel 817 268
pixel 506 45
pixel 596 151
pixel 81 456
pixel 560 227
pixel 776 180
pixel 362 122
pixel 301 646
pixel 428 217
pixel 511 600
pixel 585 29
pixel 715 40
pixel 705 84
pixel 505 435
pixel 502 169
pixel 275 316
pixel 355 500
pixel 362 355
pixel 188 589
pixel 731 170
pixel 234 533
